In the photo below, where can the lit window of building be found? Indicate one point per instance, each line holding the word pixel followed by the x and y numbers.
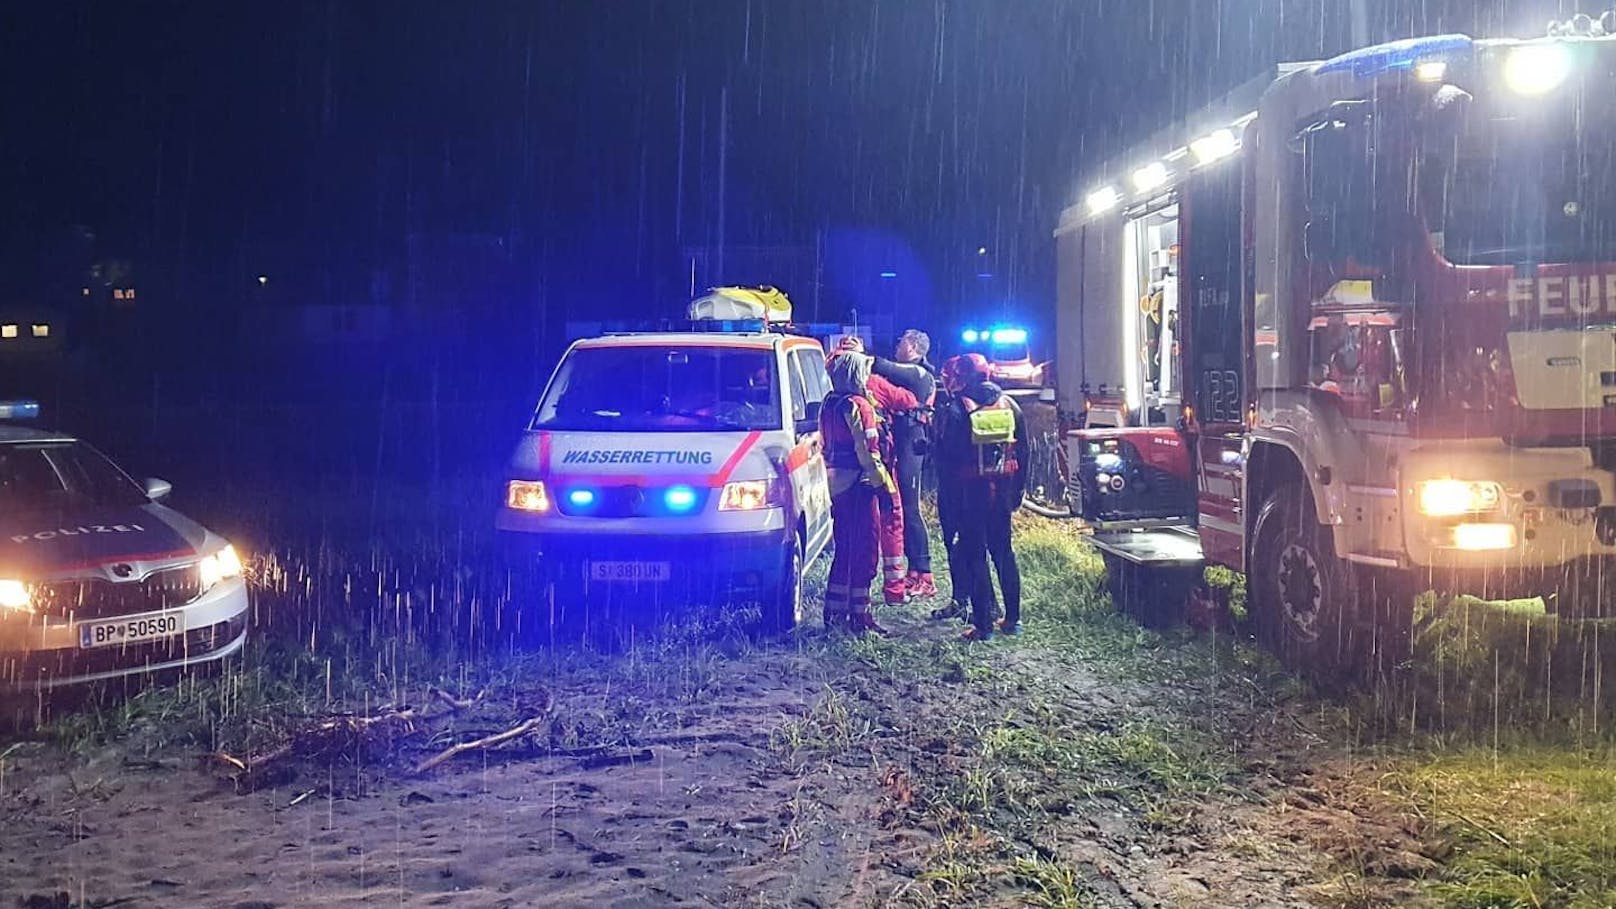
pixel 8 331
pixel 41 331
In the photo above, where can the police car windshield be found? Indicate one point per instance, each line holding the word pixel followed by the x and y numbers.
pixel 1525 184
pixel 61 476
pixel 663 388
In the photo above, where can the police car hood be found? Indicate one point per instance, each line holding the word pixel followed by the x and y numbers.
pixel 116 543
pixel 643 458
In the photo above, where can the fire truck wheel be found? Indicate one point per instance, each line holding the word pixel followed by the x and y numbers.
pixel 1302 595
pixel 782 606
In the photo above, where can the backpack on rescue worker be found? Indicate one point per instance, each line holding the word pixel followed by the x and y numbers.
pixel 993 437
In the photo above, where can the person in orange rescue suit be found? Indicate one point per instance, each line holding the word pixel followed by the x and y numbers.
pixel 889 399
pixel 860 488
pixel 983 453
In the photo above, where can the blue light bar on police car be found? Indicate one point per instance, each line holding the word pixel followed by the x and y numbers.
pixel 1398 55
pixel 19 410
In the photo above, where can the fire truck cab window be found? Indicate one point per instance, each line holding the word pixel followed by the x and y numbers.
pixel 1155 280
pixel 1337 158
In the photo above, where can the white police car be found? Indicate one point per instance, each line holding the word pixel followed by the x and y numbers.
pixel 97 579
pixel 670 465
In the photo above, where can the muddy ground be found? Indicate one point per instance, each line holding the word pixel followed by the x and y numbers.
pixel 1085 763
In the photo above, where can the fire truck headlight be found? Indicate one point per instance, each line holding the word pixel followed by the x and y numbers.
pixel 527 495
pixel 14 597
pixel 1481 537
pixel 745 495
pixel 1537 69
pixel 1451 498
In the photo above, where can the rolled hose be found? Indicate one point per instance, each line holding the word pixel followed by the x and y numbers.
pixel 1046 511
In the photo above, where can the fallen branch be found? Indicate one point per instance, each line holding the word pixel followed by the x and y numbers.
pixel 457 704
pixel 499 738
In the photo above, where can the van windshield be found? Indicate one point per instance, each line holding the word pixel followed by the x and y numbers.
pixel 663 388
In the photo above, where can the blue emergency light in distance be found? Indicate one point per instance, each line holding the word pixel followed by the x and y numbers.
pixel 970 335
pixel 19 410
pixel 1009 335
pixel 679 499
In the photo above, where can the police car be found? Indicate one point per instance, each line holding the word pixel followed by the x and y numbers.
pixel 664 466
pixel 97 578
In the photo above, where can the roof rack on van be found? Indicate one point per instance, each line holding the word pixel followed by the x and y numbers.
pixel 719 326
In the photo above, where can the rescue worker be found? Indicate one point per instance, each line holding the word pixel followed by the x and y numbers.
pixel 889 399
pixel 983 454
pixel 948 509
pixel 911 371
pixel 859 484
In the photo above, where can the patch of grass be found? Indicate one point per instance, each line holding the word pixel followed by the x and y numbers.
pixel 828 728
pixel 1053 885
pixel 1233 585
pixel 1531 827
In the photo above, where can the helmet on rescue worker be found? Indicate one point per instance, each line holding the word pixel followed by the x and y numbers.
pixel 953 382
pixel 973 370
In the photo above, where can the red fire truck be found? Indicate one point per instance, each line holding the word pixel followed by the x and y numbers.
pixel 1352 331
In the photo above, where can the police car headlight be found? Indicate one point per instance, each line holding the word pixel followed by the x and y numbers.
pixel 14 597
pixel 526 495
pixel 746 495
pixel 1451 498
pixel 222 564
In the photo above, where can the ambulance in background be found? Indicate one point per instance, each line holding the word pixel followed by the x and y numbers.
pixel 677 465
pixel 1009 357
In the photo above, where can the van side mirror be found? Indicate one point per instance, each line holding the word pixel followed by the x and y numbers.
pixel 810 417
pixel 157 490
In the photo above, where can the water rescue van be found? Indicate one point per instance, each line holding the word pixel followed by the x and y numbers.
pixel 677 465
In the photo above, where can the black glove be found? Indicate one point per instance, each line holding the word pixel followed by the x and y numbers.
pixel 883 501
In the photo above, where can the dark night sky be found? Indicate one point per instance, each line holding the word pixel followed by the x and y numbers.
pixel 322 130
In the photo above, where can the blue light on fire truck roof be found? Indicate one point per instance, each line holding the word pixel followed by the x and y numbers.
pixel 970 335
pixel 679 498
pixel 1397 56
pixel 1009 335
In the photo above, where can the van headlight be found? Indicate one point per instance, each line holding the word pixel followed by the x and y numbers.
pixel 222 564
pixel 1452 498
pixel 14 597
pixel 527 495
pixel 747 495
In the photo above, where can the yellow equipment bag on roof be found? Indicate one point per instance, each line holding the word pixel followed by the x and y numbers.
pixel 766 303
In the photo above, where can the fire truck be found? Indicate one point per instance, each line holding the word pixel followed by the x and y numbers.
pixel 1351 330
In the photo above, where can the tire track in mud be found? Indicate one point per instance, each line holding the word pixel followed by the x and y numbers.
pixel 1110 834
